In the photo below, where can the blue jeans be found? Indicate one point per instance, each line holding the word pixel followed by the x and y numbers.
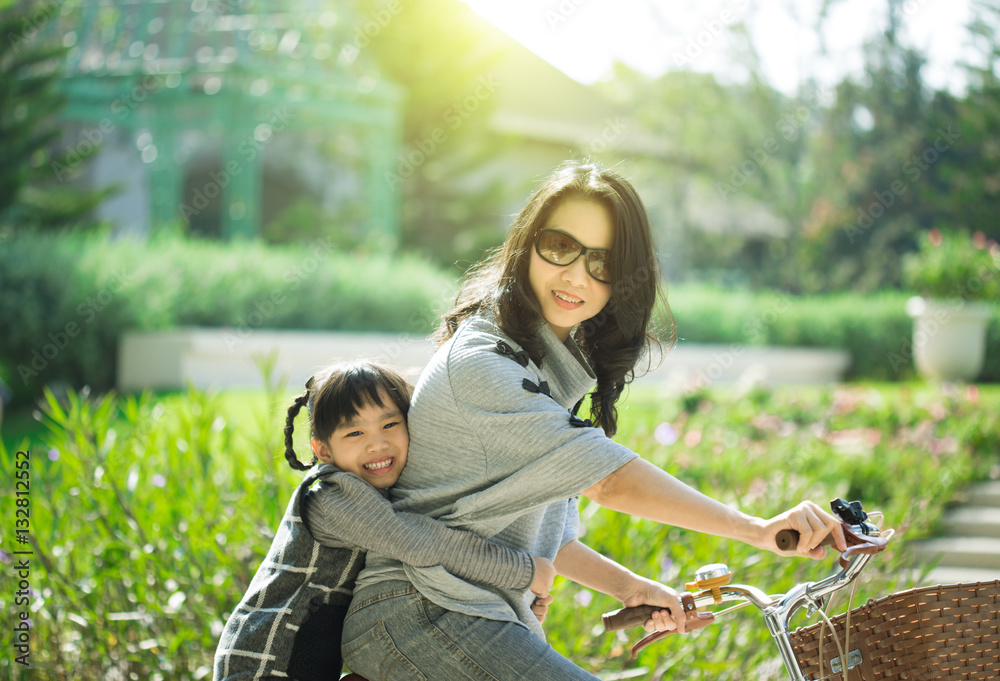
pixel 392 633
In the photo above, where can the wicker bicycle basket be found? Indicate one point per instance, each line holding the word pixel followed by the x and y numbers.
pixel 935 633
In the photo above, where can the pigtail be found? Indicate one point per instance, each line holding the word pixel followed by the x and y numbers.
pixel 293 411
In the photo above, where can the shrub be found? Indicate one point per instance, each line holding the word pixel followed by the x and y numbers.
pixel 66 300
pixel 954 265
pixel 875 329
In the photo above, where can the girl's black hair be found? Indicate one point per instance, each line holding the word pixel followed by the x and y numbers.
pixel 337 394
pixel 615 338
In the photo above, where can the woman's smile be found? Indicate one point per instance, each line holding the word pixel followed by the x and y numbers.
pixel 566 301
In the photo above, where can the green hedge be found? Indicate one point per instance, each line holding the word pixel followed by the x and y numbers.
pixel 875 329
pixel 66 299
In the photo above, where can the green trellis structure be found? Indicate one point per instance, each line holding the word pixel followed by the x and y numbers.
pixel 239 70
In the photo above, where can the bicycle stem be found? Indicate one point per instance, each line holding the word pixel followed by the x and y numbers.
pixel 809 595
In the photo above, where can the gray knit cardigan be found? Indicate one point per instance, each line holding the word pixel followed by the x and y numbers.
pixel 494 449
pixel 317 552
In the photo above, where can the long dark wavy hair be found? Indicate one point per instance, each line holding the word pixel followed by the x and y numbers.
pixel 613 340
pixel 336 394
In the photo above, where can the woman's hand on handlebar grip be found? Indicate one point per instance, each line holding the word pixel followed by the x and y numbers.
pixel 666 612
pixel 788 540
pixel 805 530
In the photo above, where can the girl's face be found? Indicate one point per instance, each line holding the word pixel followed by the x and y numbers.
pixel 568 295
pixel 372 445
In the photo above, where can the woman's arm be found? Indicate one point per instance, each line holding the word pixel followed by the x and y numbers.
pixel 641 489
pixel 586 567
pixel 346 511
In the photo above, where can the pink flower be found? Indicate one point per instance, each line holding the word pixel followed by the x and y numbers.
pixel 665 434
pixel 979 240
pixel 972 393
pixel 935 237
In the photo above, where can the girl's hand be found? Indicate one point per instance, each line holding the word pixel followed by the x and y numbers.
pixel 813 525
pixel 648 592
pixel 540 607
pixel 545 575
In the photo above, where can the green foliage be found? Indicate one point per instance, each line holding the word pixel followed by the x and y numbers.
pixel 141 533
pixel 66 300
pixel 733 180
pixel 62 316
pixel 823 191
pixel 954 265
pixel 305 220
pixel 963 186
pixel 150 515
pixel 29 73
pixel 26 95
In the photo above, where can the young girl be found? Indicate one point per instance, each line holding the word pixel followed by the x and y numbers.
pixel 496 446
pixel 289 622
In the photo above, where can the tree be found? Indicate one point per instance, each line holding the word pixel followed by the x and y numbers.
pixel 865 192
pixel 29 99
pixel 728 184
pixel 442 53
pixel 965 184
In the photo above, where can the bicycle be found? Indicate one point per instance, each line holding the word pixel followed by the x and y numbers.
pixel 941 633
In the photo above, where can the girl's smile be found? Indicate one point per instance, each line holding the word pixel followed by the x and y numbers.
pixel 568 294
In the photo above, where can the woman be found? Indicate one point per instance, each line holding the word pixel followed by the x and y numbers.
pixel 494 447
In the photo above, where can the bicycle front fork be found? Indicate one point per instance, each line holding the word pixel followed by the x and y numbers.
pixel 777 624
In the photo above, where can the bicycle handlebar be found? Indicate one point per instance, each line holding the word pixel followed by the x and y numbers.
pixel 863 542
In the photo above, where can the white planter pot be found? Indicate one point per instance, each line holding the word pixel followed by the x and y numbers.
pixel 949 337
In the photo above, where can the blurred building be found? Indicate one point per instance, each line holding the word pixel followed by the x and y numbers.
pixel 215 112
pixel 225 113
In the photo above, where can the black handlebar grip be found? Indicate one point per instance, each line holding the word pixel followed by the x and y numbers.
pixel 626 618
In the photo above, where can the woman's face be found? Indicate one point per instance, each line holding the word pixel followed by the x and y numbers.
pixel 568 295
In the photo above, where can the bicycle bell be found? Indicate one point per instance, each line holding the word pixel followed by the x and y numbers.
pixel 713 571
pixel 711 578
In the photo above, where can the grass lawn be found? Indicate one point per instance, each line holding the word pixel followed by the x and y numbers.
pixel 150 513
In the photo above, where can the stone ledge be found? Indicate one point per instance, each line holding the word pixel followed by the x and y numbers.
pixel 220 357
pixel 224 357
pixel 707 364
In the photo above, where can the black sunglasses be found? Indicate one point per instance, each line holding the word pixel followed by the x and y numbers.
pixel 561 249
